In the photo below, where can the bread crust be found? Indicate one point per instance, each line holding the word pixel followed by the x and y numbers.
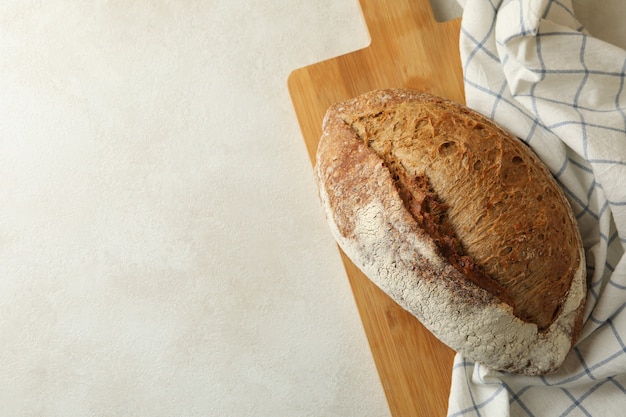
pixel 376 228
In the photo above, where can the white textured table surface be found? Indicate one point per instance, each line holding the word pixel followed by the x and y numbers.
pixel 162 250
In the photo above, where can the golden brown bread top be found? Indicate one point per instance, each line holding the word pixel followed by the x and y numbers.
pixel 506 210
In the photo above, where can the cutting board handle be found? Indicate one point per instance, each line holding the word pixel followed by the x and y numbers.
pixel 381 17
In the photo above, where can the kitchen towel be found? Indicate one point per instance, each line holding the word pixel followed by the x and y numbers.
pixel 531 66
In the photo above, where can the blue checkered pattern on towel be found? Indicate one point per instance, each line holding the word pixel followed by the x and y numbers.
pixel 531 67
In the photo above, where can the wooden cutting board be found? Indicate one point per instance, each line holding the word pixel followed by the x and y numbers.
pixel 409 49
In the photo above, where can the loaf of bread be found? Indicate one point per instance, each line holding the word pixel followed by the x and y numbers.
pixel 459 223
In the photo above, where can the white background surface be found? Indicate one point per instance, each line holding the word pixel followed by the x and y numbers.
pixel 162 251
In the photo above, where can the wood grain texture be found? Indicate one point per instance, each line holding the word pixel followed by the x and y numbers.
pixel 408 49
